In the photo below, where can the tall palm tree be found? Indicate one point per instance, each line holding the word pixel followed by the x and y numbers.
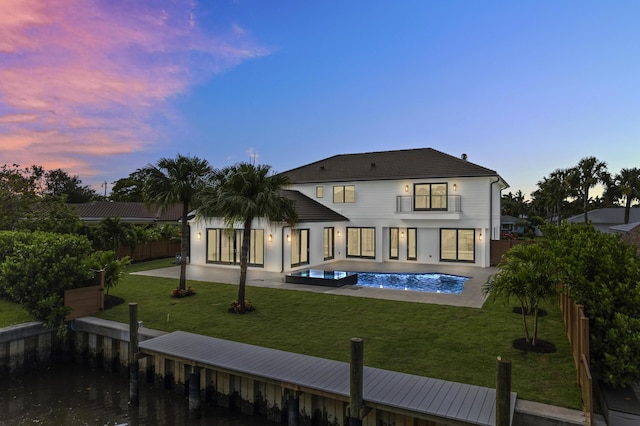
pixel 172 181
pixel 240 194
pixel 588 173
pixel 627 183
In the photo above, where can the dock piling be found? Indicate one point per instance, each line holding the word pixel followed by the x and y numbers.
pixel 356 383
pixel 133 351
pixel 503 392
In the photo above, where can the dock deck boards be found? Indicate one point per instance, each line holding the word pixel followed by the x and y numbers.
pixel 432 397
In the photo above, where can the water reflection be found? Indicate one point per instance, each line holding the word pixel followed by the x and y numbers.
pixel 68 394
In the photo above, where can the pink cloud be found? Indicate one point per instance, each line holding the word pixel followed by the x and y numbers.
pixel 81 79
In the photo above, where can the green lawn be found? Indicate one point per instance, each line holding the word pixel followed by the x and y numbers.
pixel 450 343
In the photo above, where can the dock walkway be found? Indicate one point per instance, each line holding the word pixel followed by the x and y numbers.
pixel 424 397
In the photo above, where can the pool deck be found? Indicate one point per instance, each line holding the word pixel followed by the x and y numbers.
pixel 471 296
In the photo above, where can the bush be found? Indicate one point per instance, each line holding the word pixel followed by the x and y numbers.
pixel 603 275
pixel 36 269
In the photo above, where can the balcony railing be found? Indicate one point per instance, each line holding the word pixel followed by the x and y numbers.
pixel 422 204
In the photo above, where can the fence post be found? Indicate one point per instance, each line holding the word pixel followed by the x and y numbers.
pixel 133 352
pixel 503 393
pixel 356 373
pixel 194 393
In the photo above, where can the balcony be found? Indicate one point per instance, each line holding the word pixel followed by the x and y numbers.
pixel 442 206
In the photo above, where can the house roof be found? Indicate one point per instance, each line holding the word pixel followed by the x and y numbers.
pixel 614 215
pixel 508 219
pixel 310 210
pixel 133 212
pixel 385 165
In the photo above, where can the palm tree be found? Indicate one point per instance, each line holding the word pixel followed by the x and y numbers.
pixel 553 191
pixel 240 194
pixel 172 181
pixel 589 172
pixel 627 183
pixel 526 272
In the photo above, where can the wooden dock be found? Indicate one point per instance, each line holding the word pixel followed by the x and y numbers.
pixel 411 396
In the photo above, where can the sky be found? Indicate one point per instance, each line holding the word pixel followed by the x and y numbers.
pixel 101 88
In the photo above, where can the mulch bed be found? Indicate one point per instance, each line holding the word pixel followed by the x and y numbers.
pixel 541 347
pixel 111 301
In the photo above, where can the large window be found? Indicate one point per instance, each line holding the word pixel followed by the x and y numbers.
pixel 394 243
pixel 361 242
pixel 224 246
pixel 412 244
pixel 344 194
pixel 299 247
pixel 430 196
pixel 457 245
pixel 328 243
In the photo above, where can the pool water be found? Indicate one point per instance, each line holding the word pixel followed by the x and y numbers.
pixel 427 282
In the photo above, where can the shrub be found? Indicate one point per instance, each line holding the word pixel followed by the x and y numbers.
pixel 38 267
pixel 603 275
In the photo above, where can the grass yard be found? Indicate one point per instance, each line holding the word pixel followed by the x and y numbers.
pixel 445 342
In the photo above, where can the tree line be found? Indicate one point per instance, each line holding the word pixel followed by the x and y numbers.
pixel 566 192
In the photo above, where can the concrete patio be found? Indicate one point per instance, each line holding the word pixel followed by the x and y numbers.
pixel 471 296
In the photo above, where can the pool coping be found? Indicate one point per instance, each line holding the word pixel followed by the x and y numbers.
pixel 471 296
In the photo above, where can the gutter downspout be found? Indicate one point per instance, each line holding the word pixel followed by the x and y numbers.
pixel 282 248
pixel 491 236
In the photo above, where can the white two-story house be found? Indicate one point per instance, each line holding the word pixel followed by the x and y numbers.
pixel 415 205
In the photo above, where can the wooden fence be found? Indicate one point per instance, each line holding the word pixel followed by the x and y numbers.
pixel 500 247
pixel 577 328
pixel 86 300
pixel 149 251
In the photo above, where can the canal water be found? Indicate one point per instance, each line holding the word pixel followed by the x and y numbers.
pixel 72 395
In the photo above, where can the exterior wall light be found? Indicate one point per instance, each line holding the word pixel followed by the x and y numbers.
pixel 406 188
pixel 199 235
pixel 455 187
pixel 270 237
pixel 402 234
pixel 339 234
pixel 288 237
pixel 480 236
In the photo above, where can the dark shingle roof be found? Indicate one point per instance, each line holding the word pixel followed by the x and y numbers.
pixel 311 211
pixel 385 165
pixel 607 215
pixel 126 211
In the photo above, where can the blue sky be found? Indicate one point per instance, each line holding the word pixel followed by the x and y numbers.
pixel 101 88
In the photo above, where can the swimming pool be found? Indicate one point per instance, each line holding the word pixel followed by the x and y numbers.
pixel 427 282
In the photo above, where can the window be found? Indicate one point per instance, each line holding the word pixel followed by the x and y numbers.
pixel 299 247
pixel 319 191
pixel 361 242
pixel 394 242
pixel 457 245
pixel 344 194
pixel 328 243
pixel 430 196
pixel 224 246
pixel 412 244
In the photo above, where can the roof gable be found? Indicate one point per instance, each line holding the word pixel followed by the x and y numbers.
pixel 387 165
pixel 310 210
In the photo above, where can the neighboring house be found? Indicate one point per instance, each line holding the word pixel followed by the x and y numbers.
pixel 417 205
pixel 604 219
pixel 130 212
pixel 508 225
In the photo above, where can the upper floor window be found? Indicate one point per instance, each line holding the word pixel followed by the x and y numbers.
pixel 430 196
pixel 344 194
pixel 319 191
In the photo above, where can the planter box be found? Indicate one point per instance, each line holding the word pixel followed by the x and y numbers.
pixel 620 407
